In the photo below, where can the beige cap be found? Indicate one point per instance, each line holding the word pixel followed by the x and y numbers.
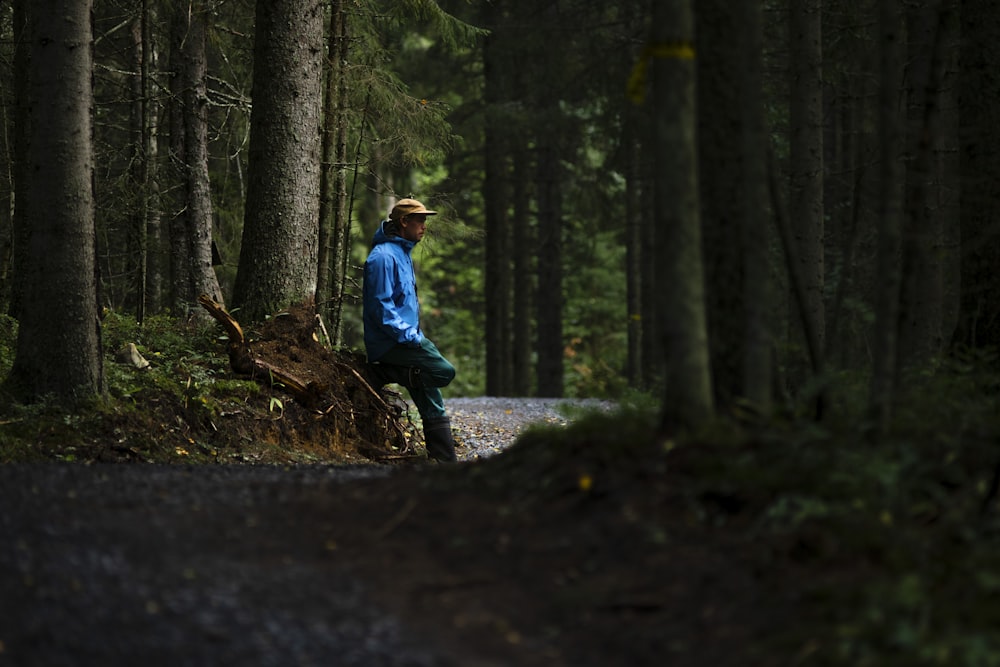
pixel 409 207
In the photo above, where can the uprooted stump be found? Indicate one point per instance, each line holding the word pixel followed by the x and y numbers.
pixel 329 386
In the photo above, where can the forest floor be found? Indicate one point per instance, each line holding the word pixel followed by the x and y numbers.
pixel 191 531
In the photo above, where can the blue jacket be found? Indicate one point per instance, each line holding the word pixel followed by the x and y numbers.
pixel 391 309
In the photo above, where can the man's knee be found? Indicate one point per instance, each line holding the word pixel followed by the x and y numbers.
pixel 435 370
pixel 439 374
pixel 447 373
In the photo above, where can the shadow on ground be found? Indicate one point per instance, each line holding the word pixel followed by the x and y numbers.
pixel 561 551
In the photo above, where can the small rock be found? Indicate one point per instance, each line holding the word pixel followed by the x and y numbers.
pixel 130 355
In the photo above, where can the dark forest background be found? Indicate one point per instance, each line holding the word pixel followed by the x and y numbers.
pixel 726 204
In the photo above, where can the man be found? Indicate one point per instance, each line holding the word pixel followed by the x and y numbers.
pixel 397 349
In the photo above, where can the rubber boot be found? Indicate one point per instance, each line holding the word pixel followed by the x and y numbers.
pixel 439 440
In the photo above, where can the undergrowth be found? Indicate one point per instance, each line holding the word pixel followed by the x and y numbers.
pixel 896 539
pixel 891 543
pixel 186 362
pixel 151 414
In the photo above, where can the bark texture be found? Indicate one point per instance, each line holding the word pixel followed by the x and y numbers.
pixel 887 307
pixel 191 228
pixel 687 394
pixel 806 160
pixel 979 101
pixel 58 345
pixel 278 255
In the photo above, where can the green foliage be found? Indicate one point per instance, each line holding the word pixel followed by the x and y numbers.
pixel 185 362
pixel 902 533
pixel 188 372
pixel 20 426
pixel 595 321
pixel 959 392
pixel 890 545
pixel 387 44
pixel 452 32
pixel 451 303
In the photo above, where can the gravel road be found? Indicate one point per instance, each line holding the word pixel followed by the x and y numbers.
pixel 488 424
pixel 168 565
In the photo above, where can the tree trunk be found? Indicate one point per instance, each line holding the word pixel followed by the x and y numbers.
pixel 650 314
pixel 806 160
pixel 137 168
pixel 7 183
pixel 497 278
pixel 922 320
pixel 884 377
pixel 758 345
pixel 202 278
pixel 523 271
pixel 192 273
pixel 342 226
pixel 549 303
pixel 949 183
pixel 635 250
pixel 278 256
pixel 156 268
pixel 846 106
pixel 979 101
pixel 179 268
pixel 722 193
pixel 687 387
pixel 333 182
pixel 145 217
pixel 21 229
pixel 58 344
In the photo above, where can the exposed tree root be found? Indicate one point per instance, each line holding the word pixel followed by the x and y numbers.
pixel 330 385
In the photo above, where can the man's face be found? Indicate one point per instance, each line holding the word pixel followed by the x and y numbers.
pixel 413 227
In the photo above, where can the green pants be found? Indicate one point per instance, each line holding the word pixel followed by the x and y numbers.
pixel 422 370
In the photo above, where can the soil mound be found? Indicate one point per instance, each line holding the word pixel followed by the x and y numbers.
pixel 334 405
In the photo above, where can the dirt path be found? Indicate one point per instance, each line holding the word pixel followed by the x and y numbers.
pixel 160 565
pixel 487 564
pixel 123 564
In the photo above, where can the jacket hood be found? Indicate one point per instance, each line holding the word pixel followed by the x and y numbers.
pixel 381 237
